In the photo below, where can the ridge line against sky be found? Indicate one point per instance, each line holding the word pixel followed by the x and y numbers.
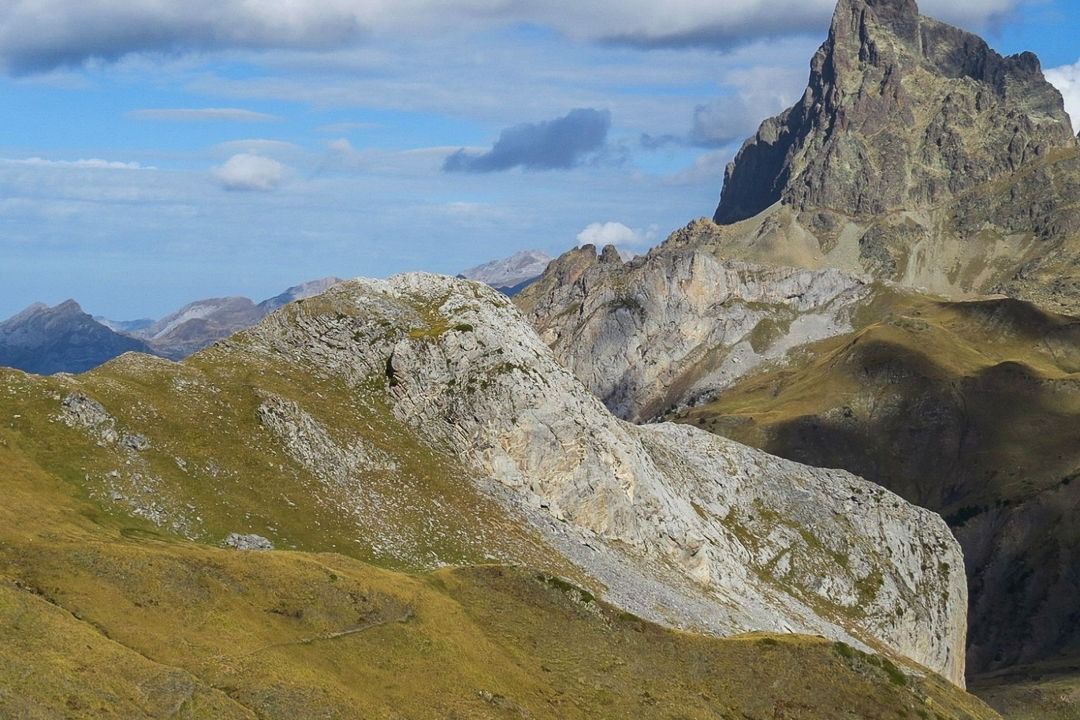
pixel 156 153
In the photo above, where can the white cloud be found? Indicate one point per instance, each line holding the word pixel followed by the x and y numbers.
pixel 615 233
pixel 250 173
pixel 91 163
pixel 38 35
pixel 197 114
pixel 1067 80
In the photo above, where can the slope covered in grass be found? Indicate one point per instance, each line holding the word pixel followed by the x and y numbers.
pixel 100 619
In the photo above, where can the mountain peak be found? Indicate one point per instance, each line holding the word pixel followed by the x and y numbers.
pixel 44 340
pixel 900 111
pixel 68 307
pixel 511 272
pixel 900 16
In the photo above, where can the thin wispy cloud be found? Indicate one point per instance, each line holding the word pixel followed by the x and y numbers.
pixel 558 144
pixel 202 115
pixel 346 127
pixel 89 163
pixel 257 146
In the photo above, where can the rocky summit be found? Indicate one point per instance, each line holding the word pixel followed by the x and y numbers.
pixel 916 154
pixel 901 113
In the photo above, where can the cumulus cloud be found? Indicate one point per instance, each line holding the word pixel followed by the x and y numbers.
pixel 617 234
pixel 196 114
pixel 1067 80
pixel 557 144
pixel 247 172
pixel 42 34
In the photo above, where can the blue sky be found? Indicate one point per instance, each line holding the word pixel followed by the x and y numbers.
pixel 152 154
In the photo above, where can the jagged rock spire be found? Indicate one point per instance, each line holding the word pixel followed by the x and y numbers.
pixel 900 111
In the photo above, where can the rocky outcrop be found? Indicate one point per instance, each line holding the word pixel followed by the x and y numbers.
pixel 676 327
pixel 759 542
pixel 237 541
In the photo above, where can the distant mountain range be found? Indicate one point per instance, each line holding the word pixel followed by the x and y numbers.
pixel 513 274
pixel 46 340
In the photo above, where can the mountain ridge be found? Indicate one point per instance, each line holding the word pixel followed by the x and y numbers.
pixel 459 422
pixel 65 339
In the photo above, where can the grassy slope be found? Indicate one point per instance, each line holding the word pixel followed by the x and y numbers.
pixel 98 622
pixel 212 468
pixel 1043 691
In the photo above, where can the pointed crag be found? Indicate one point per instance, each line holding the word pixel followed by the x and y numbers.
pixel 901 111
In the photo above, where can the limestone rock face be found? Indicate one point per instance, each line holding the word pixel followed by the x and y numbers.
pixel 739 540
pixel 679 326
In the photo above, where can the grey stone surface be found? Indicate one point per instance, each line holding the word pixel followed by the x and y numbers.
pixel 237 541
